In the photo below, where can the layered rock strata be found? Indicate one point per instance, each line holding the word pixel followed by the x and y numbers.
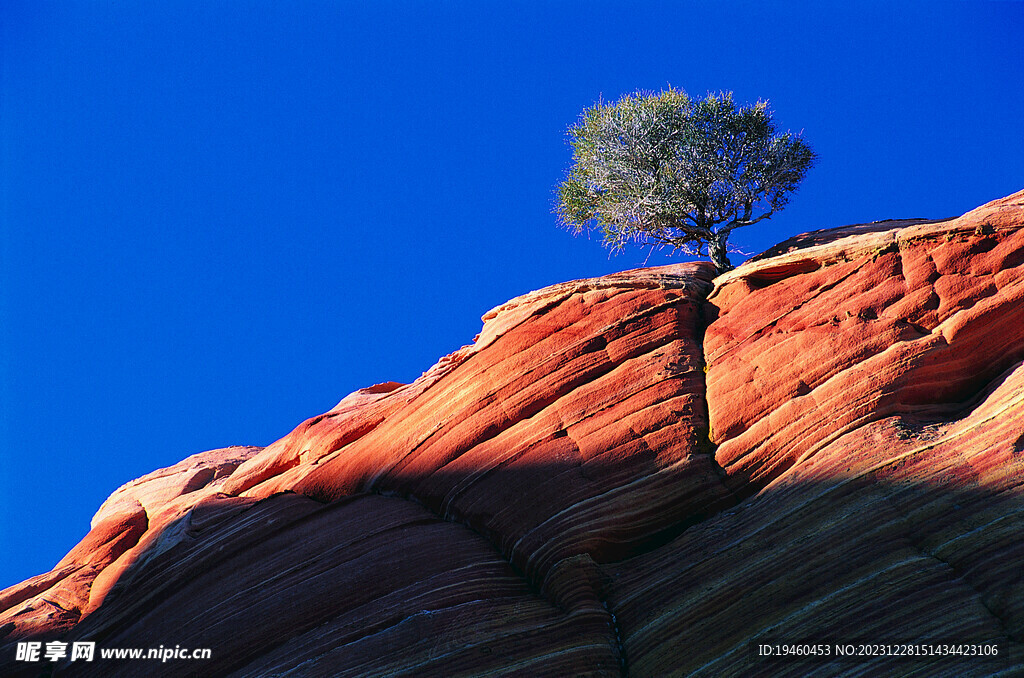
pixel 644 474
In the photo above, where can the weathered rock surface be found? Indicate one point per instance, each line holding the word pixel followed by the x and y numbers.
pixel 640 474
pixel 810 345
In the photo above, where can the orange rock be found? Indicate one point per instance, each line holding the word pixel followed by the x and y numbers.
pixel 650 472
pixel 903 530
pixel 910 321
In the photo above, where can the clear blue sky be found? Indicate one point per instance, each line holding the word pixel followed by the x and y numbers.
pixel 218 218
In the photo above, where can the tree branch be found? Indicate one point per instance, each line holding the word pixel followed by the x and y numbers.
pixel 736 223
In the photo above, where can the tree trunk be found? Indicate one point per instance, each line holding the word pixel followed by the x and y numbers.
pixel 716 248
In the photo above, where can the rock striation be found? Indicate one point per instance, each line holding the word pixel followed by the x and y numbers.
pixel 647 474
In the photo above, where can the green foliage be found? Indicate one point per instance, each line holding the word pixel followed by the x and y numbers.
pixel 665 169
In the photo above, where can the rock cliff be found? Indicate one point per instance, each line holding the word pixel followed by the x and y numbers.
pixel 644 474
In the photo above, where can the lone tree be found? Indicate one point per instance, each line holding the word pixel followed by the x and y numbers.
pixel 665 169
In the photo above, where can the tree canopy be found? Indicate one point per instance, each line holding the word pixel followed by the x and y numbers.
pixel 665 169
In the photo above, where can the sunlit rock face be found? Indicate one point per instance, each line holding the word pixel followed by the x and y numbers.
pixel 866 400
pixel 644 474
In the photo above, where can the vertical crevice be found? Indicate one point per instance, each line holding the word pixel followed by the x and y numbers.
pixel 707 313
pixel 623 659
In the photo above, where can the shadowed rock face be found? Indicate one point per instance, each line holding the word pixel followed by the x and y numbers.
pixel 640 474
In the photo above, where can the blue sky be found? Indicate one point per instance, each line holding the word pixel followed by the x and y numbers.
pixel 218 218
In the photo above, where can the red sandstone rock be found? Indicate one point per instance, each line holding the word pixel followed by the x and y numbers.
pixel 136 513
pixel 898 530
pixel 911 321
pixel 560 498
